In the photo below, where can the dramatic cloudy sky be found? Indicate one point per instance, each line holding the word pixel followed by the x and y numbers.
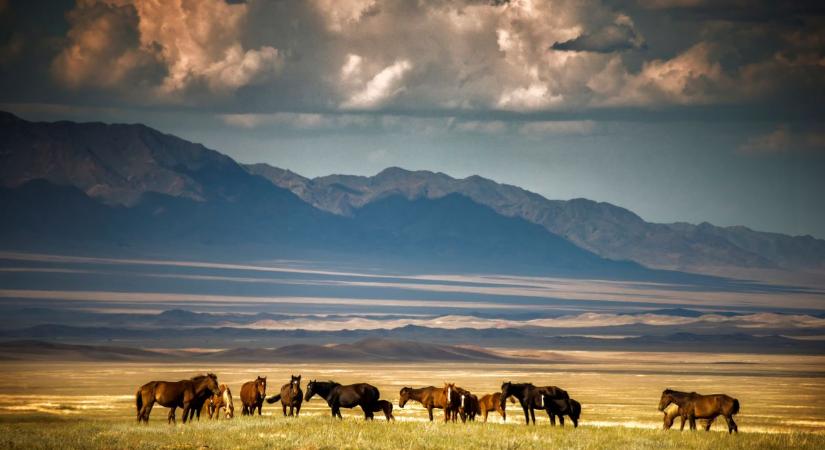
pixel 681 110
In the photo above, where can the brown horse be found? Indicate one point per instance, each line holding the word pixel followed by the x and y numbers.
pixel 385 407
pixel 291 395
pixel 252 396
pixel 430 398
pixel 492 402
pixel 221 401
pixel 349 396
pixel 696 406
pixel 173 395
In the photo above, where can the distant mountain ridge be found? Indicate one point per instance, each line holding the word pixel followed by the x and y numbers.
pixel 602 228
pixel 71 185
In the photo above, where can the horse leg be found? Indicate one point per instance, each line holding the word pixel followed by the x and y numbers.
pixel 561 420
pixel 297 410
pixel 484 413
pixel 260 406
pixel 146 410
pixel 430 412
pixel 533 415
pixel 186 408
pixel 682 427
pixel 692 422
pixel 526 415
pixel 171 417
pixel 709 423
pixel 283 406
pixel 731 424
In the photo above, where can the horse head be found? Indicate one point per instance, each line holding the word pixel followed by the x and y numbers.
pixel 505 392
pixel 212 383
pixel 310 390
pixel 449 390
pixel 667 398
pixel 260 386
pixel 404 396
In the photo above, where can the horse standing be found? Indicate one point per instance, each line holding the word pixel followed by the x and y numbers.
pixel 492 402
pixel 349 396
pixel 430 398
pixel 528 396
pixel 173 395
pixel 696 406
pixel 252 396
pixel 291 395
pixel 468 405
pixel 385 407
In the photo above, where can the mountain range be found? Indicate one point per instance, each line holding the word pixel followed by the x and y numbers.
pixel 114 187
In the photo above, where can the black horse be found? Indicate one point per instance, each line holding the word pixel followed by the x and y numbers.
pixel 349 396
pixel 529 397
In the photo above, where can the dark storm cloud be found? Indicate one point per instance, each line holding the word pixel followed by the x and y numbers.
pixel 611 38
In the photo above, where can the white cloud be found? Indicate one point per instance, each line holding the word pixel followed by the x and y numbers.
pixel 385 85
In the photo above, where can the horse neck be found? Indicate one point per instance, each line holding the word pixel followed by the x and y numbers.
pixel 325 389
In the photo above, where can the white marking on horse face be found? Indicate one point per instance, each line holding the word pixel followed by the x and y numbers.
pixel 294 381
pixel 449 395
pixel 462 400
pixel 541 401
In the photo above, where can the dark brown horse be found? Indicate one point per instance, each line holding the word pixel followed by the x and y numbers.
pixel 528 396
pixel 696 406
pixel 291 395
pixel 173 395
pixel 430 398
pixel 253 394
pixel 468 407
pixel 563 407
pixel 492 402
pixel 385 407
pixel 349 396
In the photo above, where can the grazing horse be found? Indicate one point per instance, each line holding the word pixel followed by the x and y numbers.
pixel 221 401
pixel 349 396
pixel 492 402
pixel 528 396
pixel 670 413
pixel 430 398
pixel 696 406
pixel 291 395
pixel 173 395
pixel 252 396
pixel 385 407
pixel 563 407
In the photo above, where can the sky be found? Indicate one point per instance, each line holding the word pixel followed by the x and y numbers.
pixel 680 110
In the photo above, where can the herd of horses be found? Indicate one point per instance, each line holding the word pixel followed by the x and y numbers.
pixel 203 393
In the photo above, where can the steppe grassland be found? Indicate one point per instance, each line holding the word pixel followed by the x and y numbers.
pixel 92 404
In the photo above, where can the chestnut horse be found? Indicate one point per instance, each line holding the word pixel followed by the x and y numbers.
pixel 291 395
pixel 349 396
pixel 431 398
pixel 492 402
pixel 696 406
pixel 252 396
pixel 221 401
pixel 173 395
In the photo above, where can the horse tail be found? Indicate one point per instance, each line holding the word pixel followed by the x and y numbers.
pixel 138 401
pixel 735 409
pixel 274 398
